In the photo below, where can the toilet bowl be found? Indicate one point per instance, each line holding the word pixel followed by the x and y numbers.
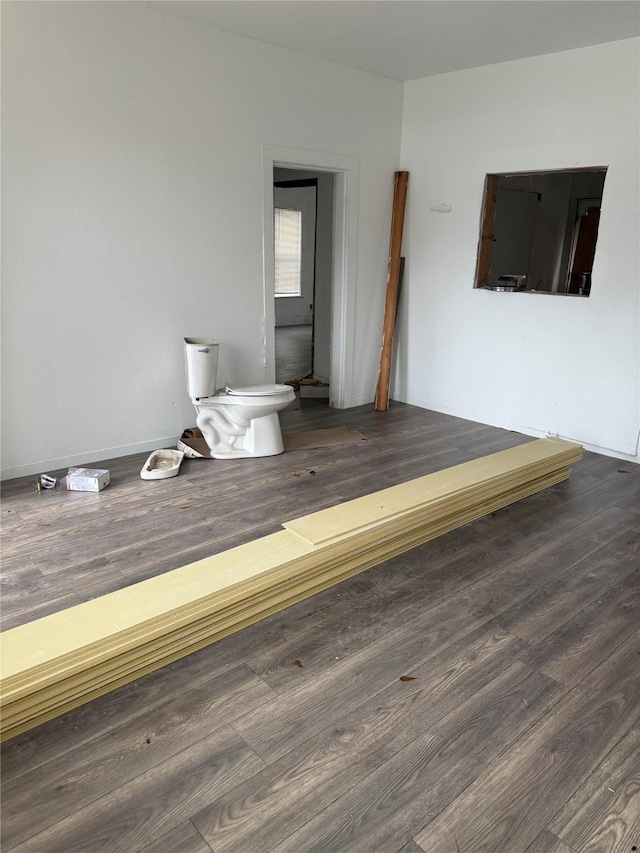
pixel 236 423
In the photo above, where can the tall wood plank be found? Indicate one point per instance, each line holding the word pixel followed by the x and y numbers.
pixel 488 216
pixel 393 286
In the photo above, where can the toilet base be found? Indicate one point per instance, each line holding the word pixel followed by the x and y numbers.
pixel 262 437
pixel 241 454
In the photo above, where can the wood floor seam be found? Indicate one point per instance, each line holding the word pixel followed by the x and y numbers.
pixel 105 793
pixel 204 840
pixel 357 760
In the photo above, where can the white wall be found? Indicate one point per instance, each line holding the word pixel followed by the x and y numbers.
pixel 537 363
pixel 132 215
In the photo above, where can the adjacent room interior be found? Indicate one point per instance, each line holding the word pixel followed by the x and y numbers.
pixel 223 172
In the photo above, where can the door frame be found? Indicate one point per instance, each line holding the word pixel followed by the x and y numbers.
pixel 345 221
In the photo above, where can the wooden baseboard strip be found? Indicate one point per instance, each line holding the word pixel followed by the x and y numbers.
pixel 153 623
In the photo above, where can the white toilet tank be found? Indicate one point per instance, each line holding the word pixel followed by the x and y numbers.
pixel 201 359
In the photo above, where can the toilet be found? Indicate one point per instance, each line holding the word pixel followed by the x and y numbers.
pixel 236 423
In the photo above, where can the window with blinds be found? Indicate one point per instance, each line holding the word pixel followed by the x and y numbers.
pixel 288 251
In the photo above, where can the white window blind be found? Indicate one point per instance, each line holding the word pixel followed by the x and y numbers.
pixel 288 251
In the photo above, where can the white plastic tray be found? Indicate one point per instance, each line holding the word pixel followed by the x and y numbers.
pixel 162 464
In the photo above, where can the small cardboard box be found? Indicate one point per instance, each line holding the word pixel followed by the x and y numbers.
pixel 87 479
pixel 193 445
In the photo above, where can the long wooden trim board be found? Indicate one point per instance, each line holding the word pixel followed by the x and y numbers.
pixel 61 661
pixel 65 694
pixel 203 624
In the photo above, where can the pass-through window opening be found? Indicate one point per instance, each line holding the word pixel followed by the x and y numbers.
pixel 538 230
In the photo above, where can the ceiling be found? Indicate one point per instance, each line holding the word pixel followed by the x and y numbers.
pixel 409 39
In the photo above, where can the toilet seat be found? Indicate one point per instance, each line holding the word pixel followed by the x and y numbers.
pixel 257 390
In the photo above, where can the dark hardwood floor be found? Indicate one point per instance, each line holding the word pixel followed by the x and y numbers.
pixel 293 352
pixel 518 731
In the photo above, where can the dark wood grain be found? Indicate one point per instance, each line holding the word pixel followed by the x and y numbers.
pixel 146 697
pixel 185 838
pixel 88 772
pixel 514 801
pixel 431 574
pixel 284 796
pixel 394 800
pixel 410 847
pixel 393 290
pixel 571 652
pixel 547 842
pixel 545 610
pixel 487 221
pixel 603 816
pixel 515 628
pixel 41 604
pixel 153 803
pixel 292 717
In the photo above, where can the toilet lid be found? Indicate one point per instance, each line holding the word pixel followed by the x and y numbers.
pixel 258 390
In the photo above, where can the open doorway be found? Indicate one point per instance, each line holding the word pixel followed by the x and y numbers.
pixel 333 312
pixel 303 253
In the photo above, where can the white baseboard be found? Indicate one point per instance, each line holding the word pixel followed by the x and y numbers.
pixel 361 401
pixel 90 458
pixel 523 429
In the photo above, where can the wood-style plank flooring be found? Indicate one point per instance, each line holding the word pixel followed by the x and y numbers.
pixel 293 352
pixel 517 731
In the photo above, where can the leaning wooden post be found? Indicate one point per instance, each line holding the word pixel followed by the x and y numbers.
pixel 393 283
